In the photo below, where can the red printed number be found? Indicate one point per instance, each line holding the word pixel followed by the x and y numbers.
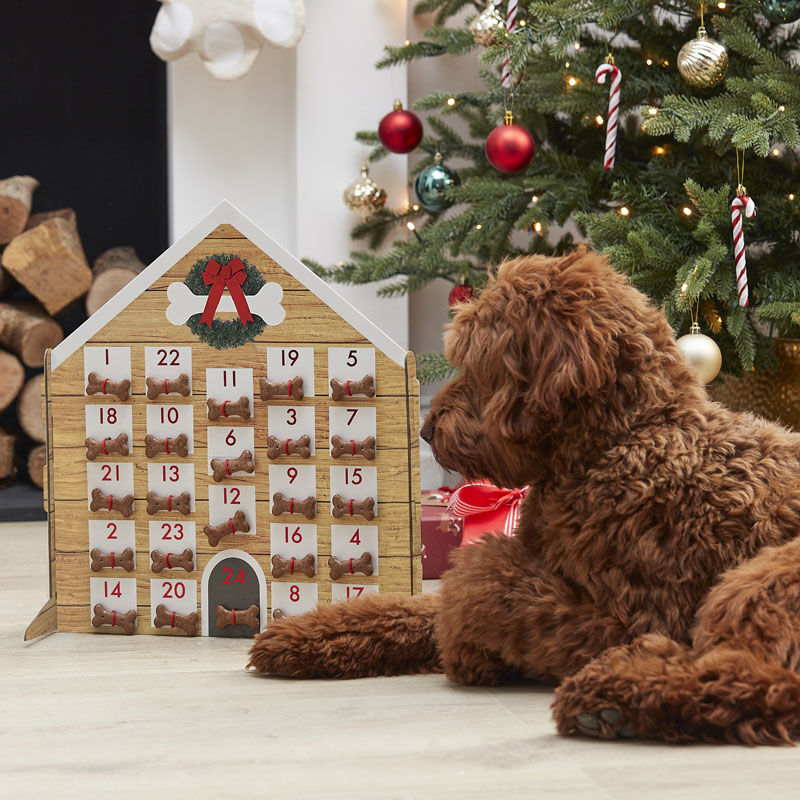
pixel 294 593
pixel 108 470
pixel 356 537
pixel 178 588
pixel 228 573
pixel 291 416
pixel 292 355
pixel 170 473
pixel 230 439
pixel 110 416
pixel 225 377
pixel 353 477
pixel 297 537
pixel 162 360
pixel 291 473
pixel 234 496
pixel 172 530
pixel 112 530
pixel 169 415
pixel 115 591
pixel 352 358
pixel 354 591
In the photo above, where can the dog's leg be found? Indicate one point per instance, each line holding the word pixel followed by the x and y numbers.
pixel 360 638
pixel 502 613
pixel 738 683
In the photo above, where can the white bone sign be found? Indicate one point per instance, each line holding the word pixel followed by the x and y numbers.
pixel 265 303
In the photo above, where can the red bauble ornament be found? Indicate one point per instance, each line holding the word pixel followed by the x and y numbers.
pixel 460 293
pixel 510 147
pixel 400 131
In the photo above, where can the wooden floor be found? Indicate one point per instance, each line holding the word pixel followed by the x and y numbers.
pixel 111 717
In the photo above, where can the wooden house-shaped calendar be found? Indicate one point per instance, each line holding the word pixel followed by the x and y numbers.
pixel 228 441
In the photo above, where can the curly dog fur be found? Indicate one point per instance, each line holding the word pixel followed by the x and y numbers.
pixel 656 568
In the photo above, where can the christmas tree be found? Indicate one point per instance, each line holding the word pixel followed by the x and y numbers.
pixel 686 141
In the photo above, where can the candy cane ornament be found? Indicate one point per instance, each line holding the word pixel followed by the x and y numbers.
pixel 511 25
pixel 608 67
pixel 741 202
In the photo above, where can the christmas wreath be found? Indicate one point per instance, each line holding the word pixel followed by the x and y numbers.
pixel 209 275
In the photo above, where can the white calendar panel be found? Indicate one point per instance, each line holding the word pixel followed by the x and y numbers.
pixel 289 540
pixel 284 363
pixel 351 364
pixel 347 591
pixel 116 479
pixel 171 479
pixel 350 541
pixel 229 443
pixel 352 423
pixel 355 483
pixel 293 598
pixel 293 481
pixel 291 422
pixel 225 501
pixel 172 421
pixel 172 537
pixel 176 594
pixel 112 536
pixel 115 594
pixel 113 363
pixel 229 384
pixel 108 421
pixel 168 362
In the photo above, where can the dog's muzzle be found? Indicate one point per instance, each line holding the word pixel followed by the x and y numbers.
pixel 426 431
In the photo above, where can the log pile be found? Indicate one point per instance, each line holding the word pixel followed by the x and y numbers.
pixel 43 272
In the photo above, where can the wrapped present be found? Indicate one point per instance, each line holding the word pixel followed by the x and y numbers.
pixel 481 507
pixel 440 533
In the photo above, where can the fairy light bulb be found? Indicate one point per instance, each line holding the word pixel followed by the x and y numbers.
pixel 572 80
pixel 624 211
pixel 599 119
pixel 451 101
pixel 687 212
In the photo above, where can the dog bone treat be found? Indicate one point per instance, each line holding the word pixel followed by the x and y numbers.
pixel 288 505
pixel 341 390
pixel 156 387
pixel 237 523
pixel 115 619
pixel 112 560
pixel 171 619
pixel 97 385
pixel 105 447
pixel 292 388
pixel 227 408
pixel 278 614
pixel 171 446
pixel 162 561
pixel 293 566
pixel 107 502
pixel 238 616
pixel 172 502
pixel 225 467
pixel 288 447
pixel 351 566
pixel 352 447
pixel 353 508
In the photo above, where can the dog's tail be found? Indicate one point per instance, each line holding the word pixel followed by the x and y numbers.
pixel 368 636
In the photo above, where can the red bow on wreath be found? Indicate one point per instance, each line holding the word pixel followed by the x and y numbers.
pixel 231 276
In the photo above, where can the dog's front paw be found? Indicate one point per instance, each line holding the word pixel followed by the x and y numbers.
pixel 608 724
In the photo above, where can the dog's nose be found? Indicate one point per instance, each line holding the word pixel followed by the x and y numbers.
pixel 426 431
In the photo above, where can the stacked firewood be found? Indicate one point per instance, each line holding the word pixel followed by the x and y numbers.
pixel 43 272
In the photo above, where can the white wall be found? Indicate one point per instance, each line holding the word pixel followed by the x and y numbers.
pixel 279 143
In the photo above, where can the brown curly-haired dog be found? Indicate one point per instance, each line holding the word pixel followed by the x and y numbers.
pixel 656 568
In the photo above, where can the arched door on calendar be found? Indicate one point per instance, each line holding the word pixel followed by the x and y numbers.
pixel 234 595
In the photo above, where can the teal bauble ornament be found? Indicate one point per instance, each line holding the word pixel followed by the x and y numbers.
pixel 781 11
pixel 432 183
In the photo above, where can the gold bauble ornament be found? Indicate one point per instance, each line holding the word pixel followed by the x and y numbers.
pixel 487 27
pixel 363 194
pixel 703 61
pixel 702 352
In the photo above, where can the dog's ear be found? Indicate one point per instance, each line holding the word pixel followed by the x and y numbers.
pixel 536 344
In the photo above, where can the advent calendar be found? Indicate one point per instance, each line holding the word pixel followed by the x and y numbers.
pixel 229 441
